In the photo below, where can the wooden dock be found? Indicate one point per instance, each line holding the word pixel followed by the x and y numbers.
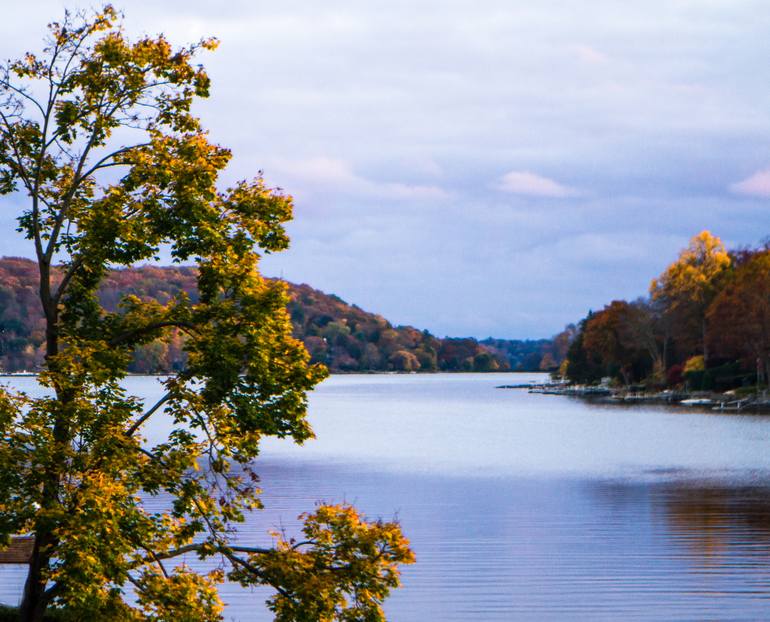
pixel 19 551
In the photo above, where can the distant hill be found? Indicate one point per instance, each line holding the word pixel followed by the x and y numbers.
pixel 340 335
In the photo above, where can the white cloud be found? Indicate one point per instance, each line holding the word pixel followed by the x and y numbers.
pixel 647 113
pixel 326 174
pixel 587 54
pixel 757 185
pixel 530 184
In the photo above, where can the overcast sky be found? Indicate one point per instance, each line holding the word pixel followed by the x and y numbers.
pixel 480 167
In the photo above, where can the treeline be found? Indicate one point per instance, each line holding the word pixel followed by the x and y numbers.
pixel 346 338
pixel 340 335
pixel 705 324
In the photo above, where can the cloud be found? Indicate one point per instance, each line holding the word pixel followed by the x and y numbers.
pixel 587 54
pixel 409 102
pixel 530 184
pixel 324 174
pixel 757 185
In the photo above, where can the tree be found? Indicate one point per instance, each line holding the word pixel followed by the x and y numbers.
pixel 641 331
pixel 581 365
pixel 97 132
pixel 606 339
pixel 547 363
pixel 740 315
pixel 485 362
pixel 688 286
pixel 403 360
pixel 561 342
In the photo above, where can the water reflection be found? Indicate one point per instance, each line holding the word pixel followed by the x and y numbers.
pixel 718 525
pixel 666 546
pixel 529 507
pixel 495 549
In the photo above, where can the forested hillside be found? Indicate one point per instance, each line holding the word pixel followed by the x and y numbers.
pixel 341 335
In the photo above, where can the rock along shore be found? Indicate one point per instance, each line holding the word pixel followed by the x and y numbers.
pixel 723 402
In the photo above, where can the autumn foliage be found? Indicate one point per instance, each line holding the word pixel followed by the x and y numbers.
pixel 342 336
pixel 109 164
pixel 707 321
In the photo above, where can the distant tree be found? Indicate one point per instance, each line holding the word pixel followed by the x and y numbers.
pixel 97 132
pixel 457 354
pixel 485 362
pixel 562 341
pixel 548 363
pixel 581 365
pixel 427 357
pixel 371 359
pixel 687 287
pixel 641 330
pixel 150 358
pixel 606 341
pixel 740 315
pixel 402 360
pixel 530 362
pixel 335 332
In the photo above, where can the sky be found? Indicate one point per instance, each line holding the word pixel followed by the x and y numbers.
pixel 479 167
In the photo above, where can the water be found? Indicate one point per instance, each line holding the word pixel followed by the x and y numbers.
pixel 528 507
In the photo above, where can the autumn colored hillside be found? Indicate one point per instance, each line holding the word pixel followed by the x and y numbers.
pixel 341 335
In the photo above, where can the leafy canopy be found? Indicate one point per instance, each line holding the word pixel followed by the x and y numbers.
pixel 689 285
pixel 97 132
pixel 694 278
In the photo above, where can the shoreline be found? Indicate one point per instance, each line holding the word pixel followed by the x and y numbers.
pixel 365 372
pixel 718 402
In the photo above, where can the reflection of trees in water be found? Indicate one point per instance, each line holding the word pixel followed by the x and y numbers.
pixel 716 521
pixel 721 524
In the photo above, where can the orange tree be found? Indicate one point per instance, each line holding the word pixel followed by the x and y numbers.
pixel 688 286
pixel 97 132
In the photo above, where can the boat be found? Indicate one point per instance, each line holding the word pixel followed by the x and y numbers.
pixel 697 401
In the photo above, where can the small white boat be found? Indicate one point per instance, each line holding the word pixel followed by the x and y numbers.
pixel 697 401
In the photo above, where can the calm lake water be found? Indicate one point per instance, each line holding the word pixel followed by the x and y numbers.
pixel 528 507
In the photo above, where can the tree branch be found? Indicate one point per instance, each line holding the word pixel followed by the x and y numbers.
pixel 101 163
pixel 18 161
pixel 138 423
pixel 128 335
pixel 194 548
pixel 76 263
pixel 7 84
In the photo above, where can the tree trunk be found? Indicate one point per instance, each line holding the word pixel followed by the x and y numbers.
pixel 34 601
pixel 626 376
pixel 705 345
pixel 33 604
pixel 659 370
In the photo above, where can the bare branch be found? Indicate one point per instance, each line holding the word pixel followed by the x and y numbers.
pixel 101 163
pixel 20 91
pixel 255 571
pixel 138 423
pixel 194 548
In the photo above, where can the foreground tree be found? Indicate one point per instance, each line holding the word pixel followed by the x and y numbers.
pixel 97 132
